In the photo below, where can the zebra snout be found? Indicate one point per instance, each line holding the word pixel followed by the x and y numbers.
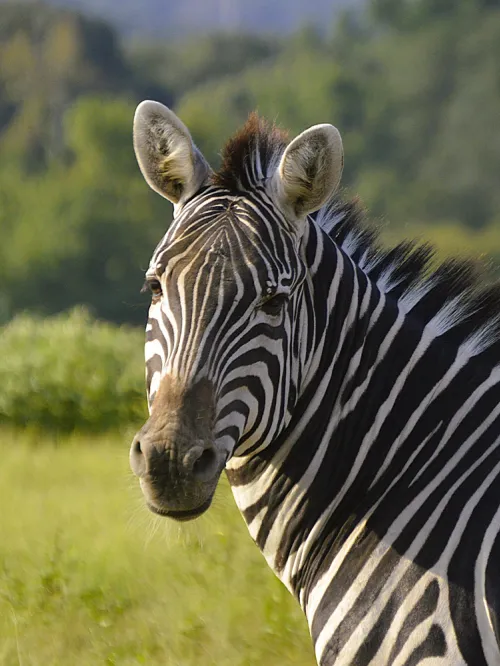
pixel 199 462
pixel 178 479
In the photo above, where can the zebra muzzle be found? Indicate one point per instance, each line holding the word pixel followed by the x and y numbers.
pixel 176 484
pixel 174 454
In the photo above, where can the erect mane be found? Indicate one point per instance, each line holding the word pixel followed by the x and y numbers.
pixel 454 294
pixel 250 155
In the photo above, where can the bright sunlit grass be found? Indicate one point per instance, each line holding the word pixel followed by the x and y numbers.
pixel 89 576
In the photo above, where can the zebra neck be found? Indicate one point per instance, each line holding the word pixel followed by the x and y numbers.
pixel 337 338
pixel 381 401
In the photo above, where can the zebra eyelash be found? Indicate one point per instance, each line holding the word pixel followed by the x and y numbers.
pixel 153 285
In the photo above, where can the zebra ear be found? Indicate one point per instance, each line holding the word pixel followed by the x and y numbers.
pixel 167 156
pixel 309 171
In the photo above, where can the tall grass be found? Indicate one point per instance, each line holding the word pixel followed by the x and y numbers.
pixel 89 577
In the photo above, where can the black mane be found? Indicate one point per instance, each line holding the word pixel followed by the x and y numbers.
pixel 250 155
pixel 455 293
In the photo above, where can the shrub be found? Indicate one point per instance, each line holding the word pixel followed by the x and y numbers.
pixel 70 372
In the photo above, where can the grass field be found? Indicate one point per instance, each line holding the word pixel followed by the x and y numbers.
pixel 89 576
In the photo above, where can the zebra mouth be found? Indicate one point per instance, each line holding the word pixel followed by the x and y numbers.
pixel 181 516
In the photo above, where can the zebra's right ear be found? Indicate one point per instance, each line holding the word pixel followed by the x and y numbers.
pixel 167 156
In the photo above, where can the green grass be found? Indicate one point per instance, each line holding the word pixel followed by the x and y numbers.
pixel 88 576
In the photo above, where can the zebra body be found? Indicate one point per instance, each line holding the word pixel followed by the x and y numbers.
pixel 351 395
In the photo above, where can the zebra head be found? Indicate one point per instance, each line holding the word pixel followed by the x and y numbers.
pixel 223 340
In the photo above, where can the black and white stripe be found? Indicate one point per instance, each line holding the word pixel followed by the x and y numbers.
pixel 360 408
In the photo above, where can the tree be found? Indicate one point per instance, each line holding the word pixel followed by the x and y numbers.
pixel 95 227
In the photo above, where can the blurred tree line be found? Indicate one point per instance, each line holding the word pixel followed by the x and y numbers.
pixel 413 85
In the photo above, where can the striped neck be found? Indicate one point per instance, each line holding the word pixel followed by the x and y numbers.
pixel 378 390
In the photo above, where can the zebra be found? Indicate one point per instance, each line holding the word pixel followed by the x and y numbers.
pixel 350 392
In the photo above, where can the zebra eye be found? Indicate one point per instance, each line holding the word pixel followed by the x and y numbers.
pixel 274 305
pixel 154 287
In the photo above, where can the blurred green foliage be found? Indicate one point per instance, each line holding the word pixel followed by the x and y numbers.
pixel 181 66
pixel 70 372
pixel 76 221
pixel 413 86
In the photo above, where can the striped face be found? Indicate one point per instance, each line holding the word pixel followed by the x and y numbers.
pixel 225 282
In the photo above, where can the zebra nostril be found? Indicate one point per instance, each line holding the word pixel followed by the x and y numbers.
pixel 137 461
pixel 203 463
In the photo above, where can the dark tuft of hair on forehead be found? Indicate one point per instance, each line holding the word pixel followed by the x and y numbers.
pixel 251 154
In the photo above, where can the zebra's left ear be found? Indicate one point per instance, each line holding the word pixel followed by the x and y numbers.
pixel 309 171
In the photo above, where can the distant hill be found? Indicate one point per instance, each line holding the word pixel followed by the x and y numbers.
pixel 157 18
